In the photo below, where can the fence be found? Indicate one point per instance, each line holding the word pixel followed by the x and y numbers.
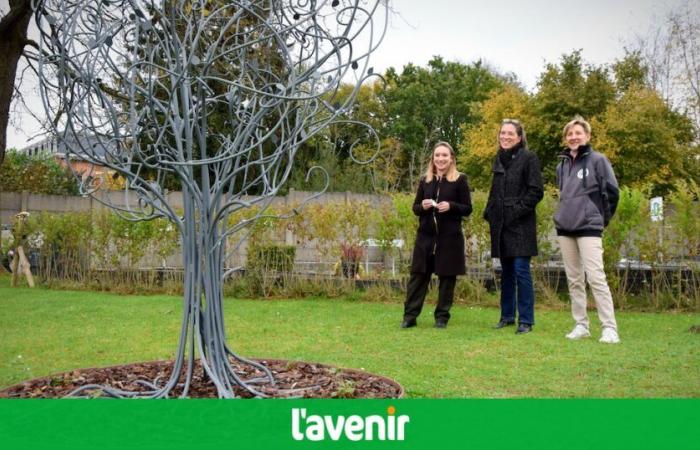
pixel 658 259
pixel 308 258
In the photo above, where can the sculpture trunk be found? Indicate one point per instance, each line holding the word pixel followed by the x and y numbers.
pixel 222 98
pixel 203 296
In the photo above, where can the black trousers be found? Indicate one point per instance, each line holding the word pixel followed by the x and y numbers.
pixel 418 288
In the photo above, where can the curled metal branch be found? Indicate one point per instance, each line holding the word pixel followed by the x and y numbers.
pixel 215 96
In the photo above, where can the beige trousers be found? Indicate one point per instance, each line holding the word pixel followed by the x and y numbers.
pixel 583 260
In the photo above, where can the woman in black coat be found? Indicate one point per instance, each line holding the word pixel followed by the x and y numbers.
pixel 516 189
pixel 441 202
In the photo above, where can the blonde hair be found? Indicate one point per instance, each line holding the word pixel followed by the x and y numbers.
pixel 452 173
pixel 577 120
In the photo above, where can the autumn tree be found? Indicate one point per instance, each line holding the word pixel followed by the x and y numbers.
pixel 479 140
pixel 646 141
pixel 563 90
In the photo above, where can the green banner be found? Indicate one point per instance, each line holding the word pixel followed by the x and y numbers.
pixel 302 424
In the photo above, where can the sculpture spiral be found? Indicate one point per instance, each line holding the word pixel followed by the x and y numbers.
pixel 216 95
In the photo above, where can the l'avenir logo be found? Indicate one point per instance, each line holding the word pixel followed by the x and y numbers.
pixel 313 427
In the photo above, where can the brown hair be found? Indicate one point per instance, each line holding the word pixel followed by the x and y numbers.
pixel 518 129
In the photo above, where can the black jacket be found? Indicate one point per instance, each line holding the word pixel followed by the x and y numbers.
pixel 441 233
pixel 510 210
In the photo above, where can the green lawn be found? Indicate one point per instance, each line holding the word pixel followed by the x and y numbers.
pixel 45 331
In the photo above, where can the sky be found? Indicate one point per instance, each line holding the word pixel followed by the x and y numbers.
pixel 517 37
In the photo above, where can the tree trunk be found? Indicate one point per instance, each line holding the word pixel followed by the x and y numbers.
pixel 13 37
pixel 203 302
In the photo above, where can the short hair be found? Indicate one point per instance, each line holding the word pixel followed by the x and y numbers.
pixel 577 120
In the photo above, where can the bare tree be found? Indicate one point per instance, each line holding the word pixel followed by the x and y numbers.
pixel 220 95
pixel 671 51
pixel 684 32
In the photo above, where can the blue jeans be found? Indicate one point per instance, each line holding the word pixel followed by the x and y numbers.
pixel 516 274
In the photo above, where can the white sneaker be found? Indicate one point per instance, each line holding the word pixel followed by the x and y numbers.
pixel 579 332
pixel 609 336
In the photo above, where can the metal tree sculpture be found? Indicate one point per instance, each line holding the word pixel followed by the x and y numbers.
pixel 217 95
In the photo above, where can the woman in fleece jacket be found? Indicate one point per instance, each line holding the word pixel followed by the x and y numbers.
pixel 588 195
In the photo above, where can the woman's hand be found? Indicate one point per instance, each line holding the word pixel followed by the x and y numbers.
pixel 443 207
pixel 427 204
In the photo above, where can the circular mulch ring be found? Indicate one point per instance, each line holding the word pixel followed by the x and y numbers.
pixel 292 379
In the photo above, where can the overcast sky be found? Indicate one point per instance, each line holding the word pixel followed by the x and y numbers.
pixel 516 36
pixel 513 36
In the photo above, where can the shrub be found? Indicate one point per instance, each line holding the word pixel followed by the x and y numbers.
pixel 64 248
pixel 37 174
pixel 476 232
pixel 100 249
pixel 269 266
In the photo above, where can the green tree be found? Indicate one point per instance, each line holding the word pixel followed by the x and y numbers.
pixel 342 145
pixel 367 113
pixel 564 90
pixel 645 140
pixel 428 104
pixel 37 174
pixel 685 220
pixel 630 72
pixel 343 173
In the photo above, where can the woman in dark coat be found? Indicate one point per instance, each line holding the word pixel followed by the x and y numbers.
pixel 441 202
pixel 516 189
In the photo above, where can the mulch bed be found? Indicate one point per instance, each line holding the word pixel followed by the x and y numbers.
pixel 293 379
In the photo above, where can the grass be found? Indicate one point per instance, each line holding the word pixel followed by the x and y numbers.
pixel 45 331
